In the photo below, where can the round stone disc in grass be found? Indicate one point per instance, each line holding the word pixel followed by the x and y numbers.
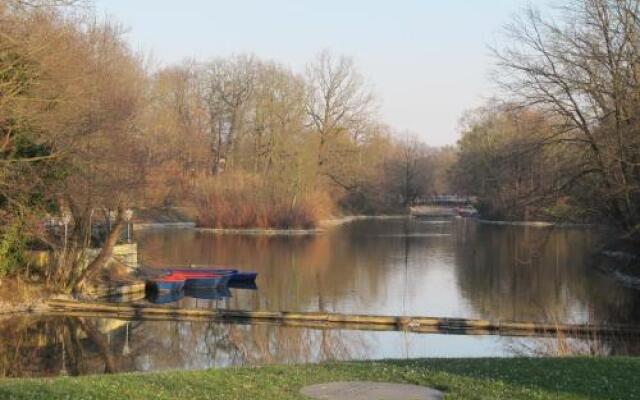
pixel 370 391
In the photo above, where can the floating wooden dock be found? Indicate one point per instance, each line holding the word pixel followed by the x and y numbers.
pixel 321 320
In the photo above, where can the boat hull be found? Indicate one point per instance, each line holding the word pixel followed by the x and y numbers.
pixel 235 275
pixel 244 277
pixel 165 297
pixel 248 285
pixel 206 282
pixel 162 285
pixel 217 293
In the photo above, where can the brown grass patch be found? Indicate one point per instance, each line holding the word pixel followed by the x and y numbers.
pixel 18 295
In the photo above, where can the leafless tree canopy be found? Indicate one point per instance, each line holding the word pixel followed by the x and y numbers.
pixel 577 67
pixel 86 129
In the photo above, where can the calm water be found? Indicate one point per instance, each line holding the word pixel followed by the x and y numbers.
pixel 412 267
pixel 396 267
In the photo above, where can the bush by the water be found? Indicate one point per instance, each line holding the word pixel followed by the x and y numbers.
pixel 241 200
pixel 12 247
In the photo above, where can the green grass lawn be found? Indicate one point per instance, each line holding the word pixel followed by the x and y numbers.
pixel 468 379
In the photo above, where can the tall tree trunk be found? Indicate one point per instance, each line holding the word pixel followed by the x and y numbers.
pixel 107 249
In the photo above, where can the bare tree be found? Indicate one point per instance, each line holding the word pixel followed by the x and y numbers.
pixel 338 101
pixel 70 93
pixel 175 134
pixel 503 159
pixel 227 87
pixel 584 70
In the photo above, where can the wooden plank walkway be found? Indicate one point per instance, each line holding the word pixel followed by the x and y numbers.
pixel 321 320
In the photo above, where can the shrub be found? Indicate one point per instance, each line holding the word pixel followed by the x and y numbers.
pixel 242 200
pixel 12 247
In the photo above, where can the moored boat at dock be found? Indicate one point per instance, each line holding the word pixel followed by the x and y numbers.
pixel 235 275
pixel 168 283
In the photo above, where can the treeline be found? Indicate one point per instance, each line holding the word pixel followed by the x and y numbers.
pixel 252 144
pixel 89 130
pixel 565 143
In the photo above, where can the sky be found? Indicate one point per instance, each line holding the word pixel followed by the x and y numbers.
pixel 427 60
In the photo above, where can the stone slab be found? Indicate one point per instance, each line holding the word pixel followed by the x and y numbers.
pixel 370 391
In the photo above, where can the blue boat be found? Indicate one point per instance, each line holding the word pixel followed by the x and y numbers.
pixel 217 293
pixel 235 275
pixel 246 277
pixel 199 279
pixel 249 285
pixel 166 284
pixel 164 297
pixel 207 283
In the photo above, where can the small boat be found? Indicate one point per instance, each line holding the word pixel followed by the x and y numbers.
pixel 249 285
pixel 198 279
pixel 247 277
pixel 217 293
pixel 236 276
pixel 164 297
pixel 168 283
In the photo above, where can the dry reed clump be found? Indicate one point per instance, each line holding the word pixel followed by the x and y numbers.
pixel 241 200
pixel 570 343
pixel 18 295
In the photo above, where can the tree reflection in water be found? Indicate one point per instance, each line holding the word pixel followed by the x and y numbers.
pixel 76 346
pixel 538 274
pixel 563 345
pixel 454 268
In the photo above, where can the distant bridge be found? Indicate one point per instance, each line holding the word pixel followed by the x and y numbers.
pixel 446 200
pixel 449 205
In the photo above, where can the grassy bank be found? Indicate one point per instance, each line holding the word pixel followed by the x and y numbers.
pixel 577 378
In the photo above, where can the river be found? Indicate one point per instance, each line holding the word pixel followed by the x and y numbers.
pixel 403 266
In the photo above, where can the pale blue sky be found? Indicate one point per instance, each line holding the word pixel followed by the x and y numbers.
pixel 427 59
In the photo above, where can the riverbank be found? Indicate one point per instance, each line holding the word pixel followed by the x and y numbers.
pixel 538 224
pixel 176 218
pixel 18 296
pixel 21 295
pixel 323 225
pixel 519 378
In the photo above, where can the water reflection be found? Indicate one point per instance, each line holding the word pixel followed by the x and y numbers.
pixel 395 267
pixel 159 297
pixel 454 268
pixel 538 274
pixel 75 346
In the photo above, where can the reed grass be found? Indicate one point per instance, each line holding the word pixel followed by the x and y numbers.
pixel 246 201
